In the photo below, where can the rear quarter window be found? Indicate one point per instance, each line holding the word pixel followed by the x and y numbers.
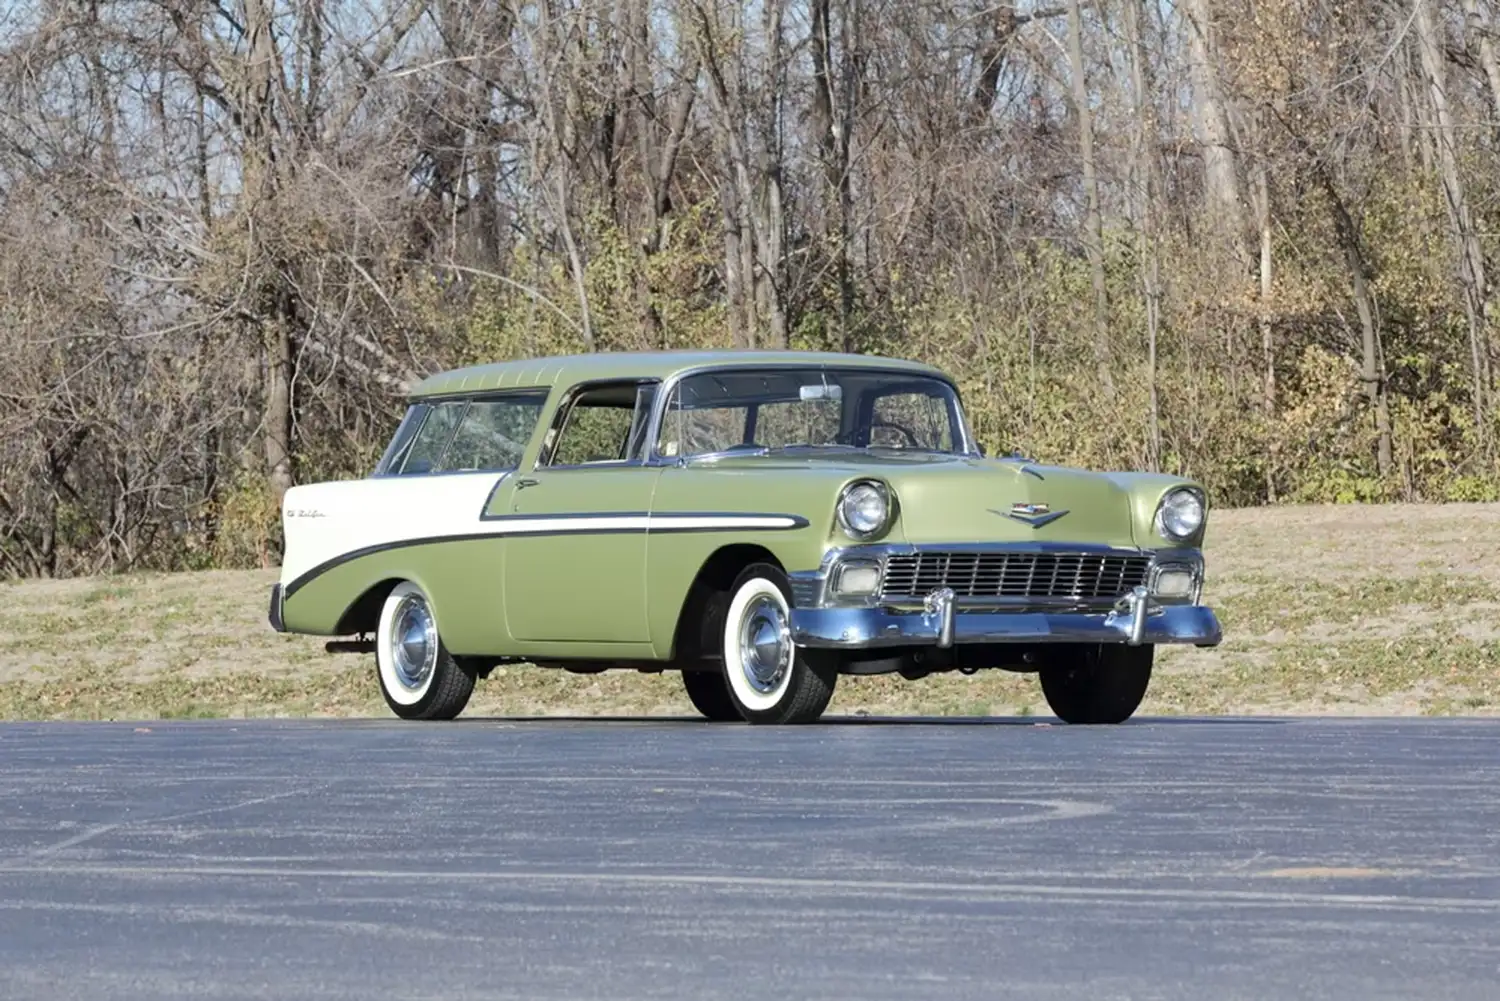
pixel 458 436
pixel 431 441
pixel 493 433
pixel 400 444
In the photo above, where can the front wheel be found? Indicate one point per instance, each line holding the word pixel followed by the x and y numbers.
pixel 769 679
pixel 419 678
pixel 1100 684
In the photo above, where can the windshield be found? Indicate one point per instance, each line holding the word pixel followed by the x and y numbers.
pixel 774 409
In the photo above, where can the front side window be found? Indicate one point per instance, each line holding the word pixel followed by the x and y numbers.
pixel 779 409
pixel 603 424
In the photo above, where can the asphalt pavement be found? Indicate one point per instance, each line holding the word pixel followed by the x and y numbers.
pixel 595 859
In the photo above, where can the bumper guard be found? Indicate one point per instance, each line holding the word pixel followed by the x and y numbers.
pixel 274 616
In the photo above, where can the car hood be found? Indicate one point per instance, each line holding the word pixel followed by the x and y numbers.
pixel 987 500
pixel 947 498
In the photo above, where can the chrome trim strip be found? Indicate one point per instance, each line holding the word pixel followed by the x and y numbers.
pixel 503 527
pixel 913 549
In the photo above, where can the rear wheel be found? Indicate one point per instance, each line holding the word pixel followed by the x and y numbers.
pixel 419 678
pixel 768 679
pixel 1098 684
pixel 709 695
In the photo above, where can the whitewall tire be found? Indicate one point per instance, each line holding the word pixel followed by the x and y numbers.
pixel 419 678
pixel 769 679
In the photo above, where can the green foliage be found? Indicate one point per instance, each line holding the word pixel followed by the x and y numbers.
pixel 245 525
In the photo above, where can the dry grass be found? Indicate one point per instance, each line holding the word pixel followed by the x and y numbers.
pixel 1358 610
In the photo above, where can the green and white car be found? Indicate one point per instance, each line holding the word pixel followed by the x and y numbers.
pixel 761 522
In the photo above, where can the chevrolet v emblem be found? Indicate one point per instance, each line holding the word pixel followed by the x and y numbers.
pixel 1035 515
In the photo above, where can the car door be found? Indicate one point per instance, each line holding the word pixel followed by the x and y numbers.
pixel 431 495
pixel 575 553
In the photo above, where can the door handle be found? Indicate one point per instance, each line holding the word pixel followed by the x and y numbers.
pixel 526 481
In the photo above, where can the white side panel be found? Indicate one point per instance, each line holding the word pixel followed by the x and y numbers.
pixel 324 521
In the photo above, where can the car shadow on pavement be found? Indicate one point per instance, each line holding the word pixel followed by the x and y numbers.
pixel 872 720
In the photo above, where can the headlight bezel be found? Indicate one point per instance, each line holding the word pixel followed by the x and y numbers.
pixel 1160 519
pixel 888 498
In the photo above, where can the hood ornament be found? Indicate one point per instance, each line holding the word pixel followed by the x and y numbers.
pixel 1030 513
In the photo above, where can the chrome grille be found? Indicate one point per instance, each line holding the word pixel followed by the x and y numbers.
pixel 1013 574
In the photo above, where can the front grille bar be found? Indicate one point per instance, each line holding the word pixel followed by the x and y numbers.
pixel 1059 575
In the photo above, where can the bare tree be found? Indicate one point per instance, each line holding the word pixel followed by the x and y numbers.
pixel 233 235
pixel 1470 255
pixel 1093 221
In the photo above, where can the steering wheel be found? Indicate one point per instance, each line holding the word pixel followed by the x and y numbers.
pixel 880 422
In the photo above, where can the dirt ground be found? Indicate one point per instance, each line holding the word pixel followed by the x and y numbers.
pixel 1330 610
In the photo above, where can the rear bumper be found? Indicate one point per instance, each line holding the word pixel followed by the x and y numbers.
pixel 1141 622
pixel 274 615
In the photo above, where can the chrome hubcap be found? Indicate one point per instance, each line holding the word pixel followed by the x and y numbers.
pixel 413 643
pixel 765 644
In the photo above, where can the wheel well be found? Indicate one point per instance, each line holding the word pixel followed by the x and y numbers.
pixel 696 622
pixel 363 616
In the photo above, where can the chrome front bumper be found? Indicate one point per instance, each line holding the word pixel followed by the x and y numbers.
pixel 1137 620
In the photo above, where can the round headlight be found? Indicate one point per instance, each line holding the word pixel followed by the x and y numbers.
pixel 1181 514
pixel 864 509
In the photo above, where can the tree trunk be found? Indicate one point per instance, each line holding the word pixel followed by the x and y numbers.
pixel 1267 326
pixel 640 108
pixel 751 183
pixel 741 326
pixel 1482 25
pixel 575 256
pixel 278 350
pixel 1471 259
pixel 258 88
pixel 833 118
pixel 770 221
pixel 1221 171
pixel 1003 27
pixel 1094 226
pixel 1143 170
pixel 1364 304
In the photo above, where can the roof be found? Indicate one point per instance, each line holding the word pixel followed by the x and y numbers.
pixel 635 364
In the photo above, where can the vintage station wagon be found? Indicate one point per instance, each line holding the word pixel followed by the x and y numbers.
pixel 760 522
